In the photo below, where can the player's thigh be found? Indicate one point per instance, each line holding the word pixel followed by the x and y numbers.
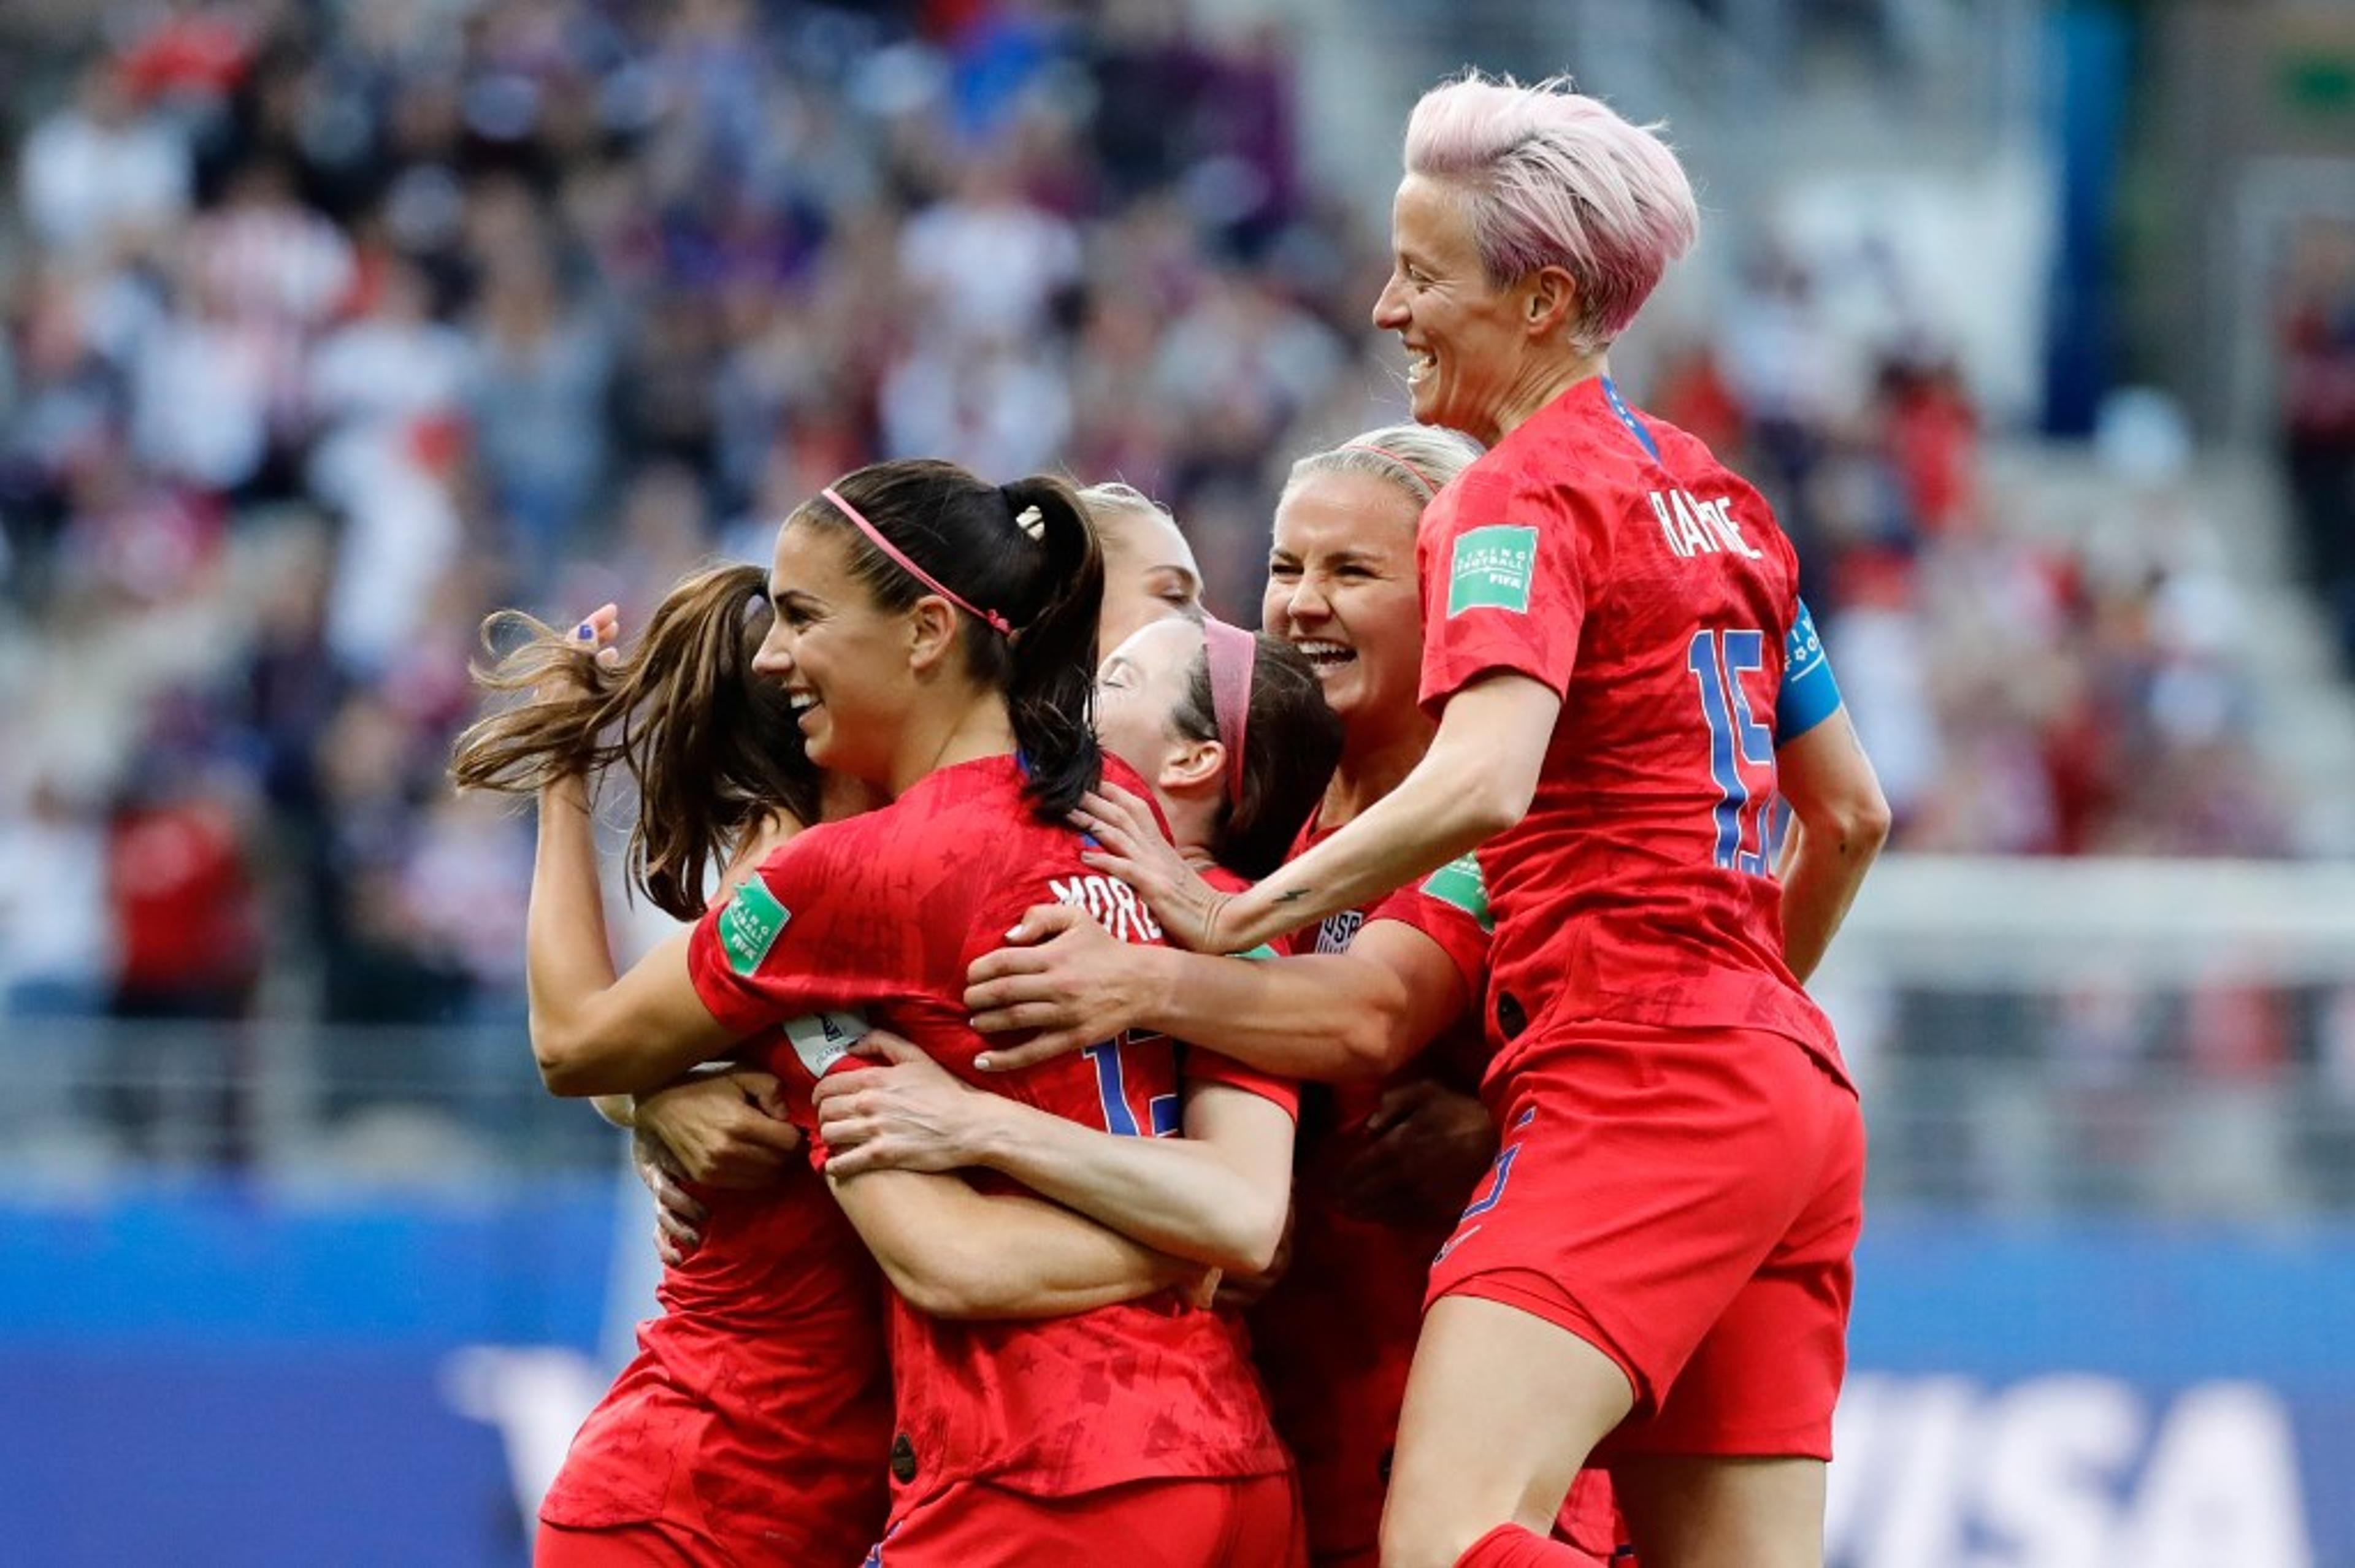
pixel 1715 1511
pixel 1502 1406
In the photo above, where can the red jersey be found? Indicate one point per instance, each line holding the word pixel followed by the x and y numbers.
pixel 1335 1336
pixel 882 913
pixel 765 1378
pixel 1614 559
pixel 1210 1066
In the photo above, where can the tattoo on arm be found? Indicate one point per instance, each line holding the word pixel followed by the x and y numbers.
pixel 1293 895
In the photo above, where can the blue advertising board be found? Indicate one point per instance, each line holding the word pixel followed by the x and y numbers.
pixel 211 1374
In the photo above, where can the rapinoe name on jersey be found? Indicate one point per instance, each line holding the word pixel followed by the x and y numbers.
pixel 1694 527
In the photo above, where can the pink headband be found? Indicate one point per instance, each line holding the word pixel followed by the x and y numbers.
pixel 1232 653
pixel 996 622
pixel 1394 457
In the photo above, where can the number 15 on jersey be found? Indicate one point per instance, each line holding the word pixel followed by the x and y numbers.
pixel 1740 748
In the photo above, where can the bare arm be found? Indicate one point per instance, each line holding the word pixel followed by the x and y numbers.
pixel 1218 1195
pixel 954 1253
pixel 1840 819
pixel 1330 1016
pixel 1477 779
pixel 704 1128
pixel 592 1031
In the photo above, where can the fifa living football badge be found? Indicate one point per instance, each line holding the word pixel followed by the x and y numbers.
pixel 750 923
pixel 1459 882
pixel 1492 569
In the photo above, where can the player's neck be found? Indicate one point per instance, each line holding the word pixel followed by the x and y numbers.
pixel 839 795
pixel 1190 826
pixel 1540 383
pixel 1372 767
pixel 966 734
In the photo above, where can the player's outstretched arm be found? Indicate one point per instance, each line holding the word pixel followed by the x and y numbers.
pixel 954 1253
pixel 1218 1195
pixel 1330 1016
pixel 1477 779
pixel 593 1031
pixel 1840 819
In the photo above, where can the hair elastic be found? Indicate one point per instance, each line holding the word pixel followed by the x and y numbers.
pixel 1403 463
pixel 991 618
pixel 1233 654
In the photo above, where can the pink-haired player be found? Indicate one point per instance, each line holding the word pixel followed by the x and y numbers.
pixel 1657 1271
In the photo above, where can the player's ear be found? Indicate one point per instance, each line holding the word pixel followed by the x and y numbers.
pixel 1192 767
pixel 1549 300
pixel 931 634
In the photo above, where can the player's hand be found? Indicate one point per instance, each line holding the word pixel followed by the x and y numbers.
pixel 728 1129
pixel 1427 1146
pixel 1238 1293
pixel 598 634
pixel 1060 974
pixel 1129 844
pixel 678 1218
pixel 907 1114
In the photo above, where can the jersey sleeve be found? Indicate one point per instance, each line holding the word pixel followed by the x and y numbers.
pixel 1451 907
pixel 1212 1067
pixel 799 938
pixel 1503 583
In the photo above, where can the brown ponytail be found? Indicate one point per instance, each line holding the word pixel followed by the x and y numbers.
pixel 712 747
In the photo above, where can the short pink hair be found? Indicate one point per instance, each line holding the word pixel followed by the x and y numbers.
pixel 1553 178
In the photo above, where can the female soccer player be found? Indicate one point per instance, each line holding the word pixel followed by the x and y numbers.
pixel 754 1423
pixel 1662 1256
pixel 1233 735
pixel 1149 569
pixel 1381 1004
pixel 723 1131
pixel 934 637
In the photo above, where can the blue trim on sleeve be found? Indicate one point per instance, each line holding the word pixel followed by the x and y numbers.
pixel 1810 693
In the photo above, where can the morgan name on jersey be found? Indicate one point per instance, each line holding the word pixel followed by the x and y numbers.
pixel 1111 904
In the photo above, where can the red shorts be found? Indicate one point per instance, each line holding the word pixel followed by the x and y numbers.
pixel 655 1544
pixel 1687 1202
pixel 1179 1522
pixel 1590 1519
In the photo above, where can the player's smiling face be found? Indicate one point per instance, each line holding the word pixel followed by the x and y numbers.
pixel 841 657
pixel 1463 336
pixel 1341 588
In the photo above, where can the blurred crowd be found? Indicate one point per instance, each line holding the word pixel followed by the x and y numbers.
pixel 329 328
pixel 2043 658
pixel 2316 321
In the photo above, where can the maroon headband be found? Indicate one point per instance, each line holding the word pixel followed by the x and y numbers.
pixel 1231 653
pixel 1394 457
pixel 996 622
